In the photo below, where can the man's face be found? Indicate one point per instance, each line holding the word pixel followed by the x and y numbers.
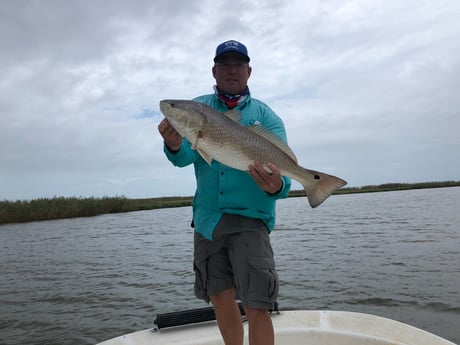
pixel 231 73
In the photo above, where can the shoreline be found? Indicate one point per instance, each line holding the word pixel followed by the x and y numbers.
pixel 72 207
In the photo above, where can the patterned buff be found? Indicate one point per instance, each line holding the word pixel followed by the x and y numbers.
pixel 231 100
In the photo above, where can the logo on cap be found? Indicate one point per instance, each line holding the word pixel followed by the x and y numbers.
pixel 231 46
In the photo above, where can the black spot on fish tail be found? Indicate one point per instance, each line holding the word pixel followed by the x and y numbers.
pixel 321 187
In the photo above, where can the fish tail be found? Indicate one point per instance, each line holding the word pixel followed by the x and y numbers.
pixel 320 186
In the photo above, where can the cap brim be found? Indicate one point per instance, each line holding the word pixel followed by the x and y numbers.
pixel 221 56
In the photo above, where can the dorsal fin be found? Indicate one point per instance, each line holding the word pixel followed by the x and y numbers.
pixel 274 139
pixel 234 115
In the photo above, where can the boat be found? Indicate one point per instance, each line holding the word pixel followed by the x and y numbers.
pixel 306 327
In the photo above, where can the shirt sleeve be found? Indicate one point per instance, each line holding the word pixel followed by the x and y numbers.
pixel 185 156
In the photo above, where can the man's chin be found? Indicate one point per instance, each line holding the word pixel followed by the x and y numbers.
pixel 232 89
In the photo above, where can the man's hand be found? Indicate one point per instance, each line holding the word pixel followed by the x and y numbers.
pixel 269 181
pixel 173 140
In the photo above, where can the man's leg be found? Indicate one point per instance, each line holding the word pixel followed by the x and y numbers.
pixel 228 317
pixel 260 327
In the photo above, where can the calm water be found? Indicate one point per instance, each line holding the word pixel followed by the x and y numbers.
pixel 81 281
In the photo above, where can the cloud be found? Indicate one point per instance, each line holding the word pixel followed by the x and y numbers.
pixel 367 89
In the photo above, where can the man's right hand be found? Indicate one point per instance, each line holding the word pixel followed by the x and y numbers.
pixel 172 138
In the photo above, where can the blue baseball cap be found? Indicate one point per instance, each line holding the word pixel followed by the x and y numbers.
pixel 231 47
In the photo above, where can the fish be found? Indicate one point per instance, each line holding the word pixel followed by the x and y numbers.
pixel 219 136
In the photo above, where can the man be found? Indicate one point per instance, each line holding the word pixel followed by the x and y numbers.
pixel 233 210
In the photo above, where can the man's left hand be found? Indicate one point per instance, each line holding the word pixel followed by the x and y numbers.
pixel 267 179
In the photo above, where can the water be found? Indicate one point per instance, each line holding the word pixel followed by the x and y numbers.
pixel 84 280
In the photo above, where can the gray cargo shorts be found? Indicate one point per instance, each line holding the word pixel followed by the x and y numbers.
pixel 240 256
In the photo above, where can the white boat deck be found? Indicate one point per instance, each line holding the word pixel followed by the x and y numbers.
pixel 297 327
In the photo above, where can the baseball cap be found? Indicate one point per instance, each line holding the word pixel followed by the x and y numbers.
pixel 231 46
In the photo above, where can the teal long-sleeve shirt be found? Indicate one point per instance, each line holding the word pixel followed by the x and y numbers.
pixel 221 189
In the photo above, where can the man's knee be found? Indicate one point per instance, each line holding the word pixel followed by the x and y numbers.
pixel 255 313
pixel 223 298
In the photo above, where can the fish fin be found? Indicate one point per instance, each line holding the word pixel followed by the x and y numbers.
pixel 274 139
pixel 202 153
pixel 322 186
pixel 195 143
pixel 234 115
pixel 205 156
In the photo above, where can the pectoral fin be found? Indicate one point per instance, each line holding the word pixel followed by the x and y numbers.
pixel 202 153
pixel 205 156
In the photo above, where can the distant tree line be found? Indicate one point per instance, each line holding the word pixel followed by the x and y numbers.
pixel 387 187
pixel 71 207
pixel 62 207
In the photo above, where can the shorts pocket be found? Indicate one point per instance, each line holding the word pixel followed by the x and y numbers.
pixel 200 287
pixel 263 280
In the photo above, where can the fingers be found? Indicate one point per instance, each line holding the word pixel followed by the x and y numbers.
pixel 171 137
pixel 267 177
pixel 165 127
pixel 167 131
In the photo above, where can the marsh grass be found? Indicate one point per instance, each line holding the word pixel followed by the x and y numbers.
pixel 71 207
pixel 387 187
pixel 61 207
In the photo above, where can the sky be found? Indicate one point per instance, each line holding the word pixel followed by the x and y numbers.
pixel 368 89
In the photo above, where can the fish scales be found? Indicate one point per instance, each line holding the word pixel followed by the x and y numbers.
pixel 221 137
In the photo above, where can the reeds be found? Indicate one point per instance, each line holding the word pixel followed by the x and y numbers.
pixel 61 207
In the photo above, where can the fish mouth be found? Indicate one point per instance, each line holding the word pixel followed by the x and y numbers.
pixel 166 104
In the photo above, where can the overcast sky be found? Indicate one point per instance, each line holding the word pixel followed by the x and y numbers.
pixel 368 90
